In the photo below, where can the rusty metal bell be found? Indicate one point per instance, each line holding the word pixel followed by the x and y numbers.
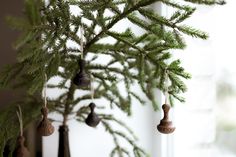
pixel 166 126
pixel 82 79
pixel 21 150
pixel 92 120
pixel 45 127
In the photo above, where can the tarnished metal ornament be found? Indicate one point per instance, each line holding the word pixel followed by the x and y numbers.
pixel 45 127
pixel 166 126
pixel 21 150
pixel 92 120
pixel 82 79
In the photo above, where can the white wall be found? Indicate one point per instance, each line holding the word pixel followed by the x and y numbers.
pixel 196 120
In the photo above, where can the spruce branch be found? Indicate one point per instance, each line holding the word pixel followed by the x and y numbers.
pixel 207 2
pixel 117 19
pixel 142 59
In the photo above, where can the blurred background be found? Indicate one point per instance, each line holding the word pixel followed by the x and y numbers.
pixel 206 123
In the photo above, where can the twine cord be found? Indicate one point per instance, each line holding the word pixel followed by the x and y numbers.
pixel 166 97
pixel 166 93
pixel 45 91
pixel 20 118
pixel 92 87
pixel 82 41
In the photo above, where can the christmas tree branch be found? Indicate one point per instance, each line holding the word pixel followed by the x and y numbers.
pixel 47 32
pixel 117 19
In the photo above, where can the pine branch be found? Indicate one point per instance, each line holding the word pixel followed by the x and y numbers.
pixel 117 19
pixel 207 2
pixel 44 47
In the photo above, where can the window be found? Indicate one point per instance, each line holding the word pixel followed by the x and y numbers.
pixel 206 122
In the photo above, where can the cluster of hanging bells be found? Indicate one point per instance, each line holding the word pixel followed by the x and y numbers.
pixel 82 80
pixel 45 127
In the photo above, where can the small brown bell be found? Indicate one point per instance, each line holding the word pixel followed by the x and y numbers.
pixel 166 126
pixel 92 119
pixel 21 150
pixel 45 127
pixel 81 79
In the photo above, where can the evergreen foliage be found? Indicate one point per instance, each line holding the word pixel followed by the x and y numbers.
pixel 142 59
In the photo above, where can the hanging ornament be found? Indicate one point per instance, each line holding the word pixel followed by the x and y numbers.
pixel 45 127
pixel 166 126
pixel 21 150
pixel 92 120
pixel 81 79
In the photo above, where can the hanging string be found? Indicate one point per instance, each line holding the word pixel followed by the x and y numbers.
pixel 82 41
pixel 45 91
pixel 92 87
pixel 20 118
pixel 166 93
